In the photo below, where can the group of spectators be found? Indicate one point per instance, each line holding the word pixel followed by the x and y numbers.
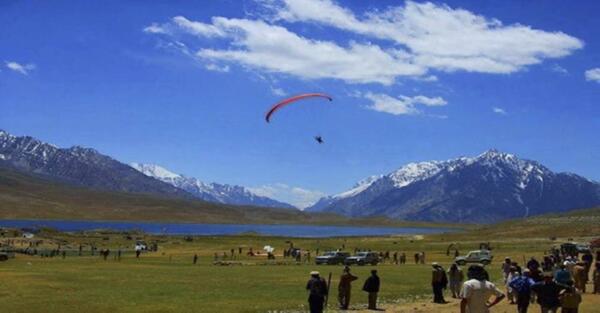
pixel 555 283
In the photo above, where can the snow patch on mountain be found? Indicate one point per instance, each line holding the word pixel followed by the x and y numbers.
pixel 212 192
pixel 154 171
pixel 359 187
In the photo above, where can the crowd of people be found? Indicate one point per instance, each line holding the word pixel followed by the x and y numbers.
pixel 555 283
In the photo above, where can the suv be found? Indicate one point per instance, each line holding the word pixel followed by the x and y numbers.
pixel 478 256
pixel 332 257
pixel 363 258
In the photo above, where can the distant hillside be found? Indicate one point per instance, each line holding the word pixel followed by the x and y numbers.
pixel 487 188
pixel 28 197
pixel 578 223
pixel 212 192
pixel 77 165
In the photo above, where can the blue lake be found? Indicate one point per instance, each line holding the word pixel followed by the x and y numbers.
pixel 222 229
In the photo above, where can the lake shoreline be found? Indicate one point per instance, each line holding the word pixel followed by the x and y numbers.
pixel 205 229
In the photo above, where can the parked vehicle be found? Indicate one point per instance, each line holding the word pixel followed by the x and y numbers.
pixel 363 258
pixel 573 248
pixel 4 256
pixel 332 258
pixel 477 256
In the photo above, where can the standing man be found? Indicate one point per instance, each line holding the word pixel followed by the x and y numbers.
pixel 548 292
pixel 476 292
pixel 372 287
pixel 580 276
pixel 506 269
pixel 195 259
pixel 317 291
pixel 521 286
pixel 439 281
pixel 456 277
pixel 562 275
pixel 570 300
pixel 596 277
pixel 344 288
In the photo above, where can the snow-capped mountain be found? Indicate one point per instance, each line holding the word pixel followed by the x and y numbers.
pixel 213 192
pixel 77 165
pixel 485 188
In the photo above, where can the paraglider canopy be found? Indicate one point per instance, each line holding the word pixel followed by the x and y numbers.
pixel 293 99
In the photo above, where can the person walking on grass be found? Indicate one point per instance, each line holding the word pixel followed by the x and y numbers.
pixel 477 291
pixel 371 286
pixel 570 299
pixel 456 277
pixel 506 269
pixel 548 292
pixel 345 287
pixel 439 282
pixel 514 273
pixel 596 277
pixel 580 276
pixel 521 288
pixel 317 291
pixel 562 275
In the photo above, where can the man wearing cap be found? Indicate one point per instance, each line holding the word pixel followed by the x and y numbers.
pixel 521 287
pixel 372 287
pixel 439 281
pixel 548 292
pixel 476 292
pixel 344 288
pixel 317 291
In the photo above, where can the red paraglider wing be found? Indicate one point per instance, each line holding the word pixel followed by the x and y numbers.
pixel 287 101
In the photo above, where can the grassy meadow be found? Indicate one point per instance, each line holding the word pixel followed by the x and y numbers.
pixel 167 281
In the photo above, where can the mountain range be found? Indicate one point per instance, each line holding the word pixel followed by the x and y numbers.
pixel 490 187
pixel 212 192
pixel 88 168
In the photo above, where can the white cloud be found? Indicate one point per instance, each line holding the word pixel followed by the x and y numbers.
pixel 498 110
pixel 559 69
pixel 278 92
pixel 299 197
pixel 440 37
pixel 412 40
pixel 20 68
pixel 155 29
pixel 401 106
pixel 217 68
pixel 593 75
pixel 275 49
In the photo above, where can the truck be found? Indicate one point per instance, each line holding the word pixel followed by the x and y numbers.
pixel 477 256
pixel 332 258
pixel 363 258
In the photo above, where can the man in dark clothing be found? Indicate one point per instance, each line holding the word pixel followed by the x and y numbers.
pixel 521 286
pixel 533 264
pixel 548 292
pixel 372 287
pixel 439 281
pixel 345 287
pixel 317 291
pixel 195 258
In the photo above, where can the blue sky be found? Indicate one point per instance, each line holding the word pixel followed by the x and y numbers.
pixel 186 85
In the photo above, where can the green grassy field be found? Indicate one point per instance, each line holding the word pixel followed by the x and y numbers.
pixel 167 281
